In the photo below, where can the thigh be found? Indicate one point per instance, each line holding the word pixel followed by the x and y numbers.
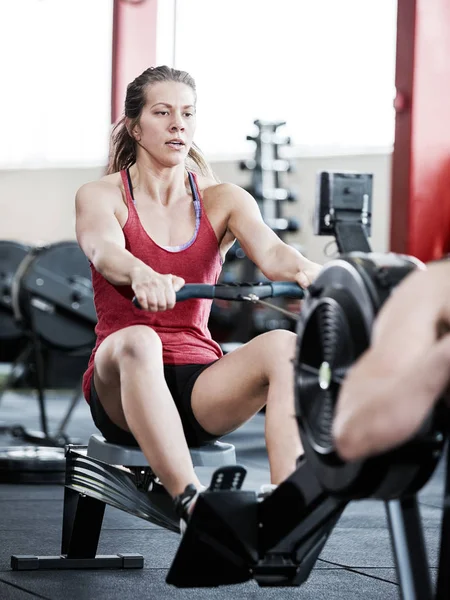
pixel 139 342
pixel 110 431
pixel 180 380
pixel 234 388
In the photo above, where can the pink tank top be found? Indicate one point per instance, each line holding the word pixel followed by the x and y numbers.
pixel 183 330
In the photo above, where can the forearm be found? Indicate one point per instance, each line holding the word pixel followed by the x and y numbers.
pixel 115 263
pixel 283 263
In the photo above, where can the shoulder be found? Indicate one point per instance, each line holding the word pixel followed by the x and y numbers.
pixel 225 192
pixel 106 189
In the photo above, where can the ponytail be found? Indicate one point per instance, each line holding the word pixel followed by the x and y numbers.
pixel 122 152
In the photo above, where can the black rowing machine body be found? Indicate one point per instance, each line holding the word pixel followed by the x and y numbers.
pixel 335 328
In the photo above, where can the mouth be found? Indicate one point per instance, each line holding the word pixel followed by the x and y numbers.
pixel 175 144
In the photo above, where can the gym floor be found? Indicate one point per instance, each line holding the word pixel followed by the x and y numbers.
pixel 356 562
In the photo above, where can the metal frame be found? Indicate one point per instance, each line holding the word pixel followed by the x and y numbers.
pixel 91 485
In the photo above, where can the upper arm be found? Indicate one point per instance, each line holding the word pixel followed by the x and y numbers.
pixel 96 220
pixel 247 225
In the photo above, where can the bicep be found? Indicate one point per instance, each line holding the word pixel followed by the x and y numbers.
pixel 96 221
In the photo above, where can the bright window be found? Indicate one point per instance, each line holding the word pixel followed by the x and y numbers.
pixel 326 67
pixel 56 82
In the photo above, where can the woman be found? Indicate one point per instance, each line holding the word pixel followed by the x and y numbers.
pixel 157 220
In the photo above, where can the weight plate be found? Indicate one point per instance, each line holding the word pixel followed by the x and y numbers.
pixel 11 255
pixel 52 294
pixel 32 464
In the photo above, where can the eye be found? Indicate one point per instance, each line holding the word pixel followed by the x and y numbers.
pixel 188 114
pixel 161 112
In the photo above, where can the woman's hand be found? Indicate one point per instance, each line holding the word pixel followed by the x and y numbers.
pixel 389 391
pixel 310 270
pixel 154 291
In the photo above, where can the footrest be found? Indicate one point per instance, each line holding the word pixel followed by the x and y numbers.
pixel 219 546
pixel 227 478
pixel 27 562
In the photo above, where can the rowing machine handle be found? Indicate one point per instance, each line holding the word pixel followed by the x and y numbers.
pixel 238 292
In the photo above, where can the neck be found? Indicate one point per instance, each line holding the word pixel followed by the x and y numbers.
pixel 163 185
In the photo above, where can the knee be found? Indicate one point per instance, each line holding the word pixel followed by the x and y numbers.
pixel 138 343
pixel 280 348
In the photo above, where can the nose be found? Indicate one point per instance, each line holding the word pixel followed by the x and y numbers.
pixel 177 124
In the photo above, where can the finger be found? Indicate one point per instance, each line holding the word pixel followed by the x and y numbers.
pixel 141 297
pixel 302 279
pixel 177 282
pixel 161 302
pixel 170 293
pixel 152 300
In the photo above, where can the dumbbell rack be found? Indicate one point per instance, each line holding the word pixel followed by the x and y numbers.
pixel 266 168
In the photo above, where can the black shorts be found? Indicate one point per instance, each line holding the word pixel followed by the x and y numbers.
pixel 180 380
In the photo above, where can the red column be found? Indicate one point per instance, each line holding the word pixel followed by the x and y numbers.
pixel 134 46
pixel 420 204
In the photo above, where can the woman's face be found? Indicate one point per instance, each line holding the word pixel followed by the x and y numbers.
pixel 167 124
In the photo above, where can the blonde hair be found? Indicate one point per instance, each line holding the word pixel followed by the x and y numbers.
pixel 123 145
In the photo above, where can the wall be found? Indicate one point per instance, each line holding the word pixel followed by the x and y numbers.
pixel 38 205
pixel 303 182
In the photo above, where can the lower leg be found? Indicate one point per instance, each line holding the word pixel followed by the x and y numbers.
pixel 154 421
pixel 282 436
